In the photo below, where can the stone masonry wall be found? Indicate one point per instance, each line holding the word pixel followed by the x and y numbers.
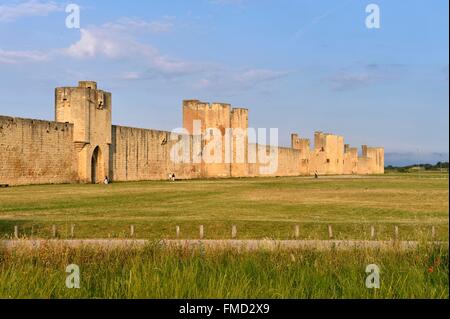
pixel 36 152
pixel 141 154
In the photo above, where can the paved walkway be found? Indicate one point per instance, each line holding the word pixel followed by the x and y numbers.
pixel 215 244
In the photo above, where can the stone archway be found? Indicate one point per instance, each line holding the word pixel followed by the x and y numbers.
pixel 97 166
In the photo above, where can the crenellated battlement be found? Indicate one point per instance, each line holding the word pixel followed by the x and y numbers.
pixel 88 84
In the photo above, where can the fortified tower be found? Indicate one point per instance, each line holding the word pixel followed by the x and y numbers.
pixel 328 154
pixel 89 110
pixel 214 121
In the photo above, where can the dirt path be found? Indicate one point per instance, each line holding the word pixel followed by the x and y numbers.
pixel 244 245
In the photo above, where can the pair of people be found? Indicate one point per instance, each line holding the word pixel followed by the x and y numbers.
pixel 172 177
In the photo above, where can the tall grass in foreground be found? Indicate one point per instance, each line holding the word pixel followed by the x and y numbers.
pixel 160 272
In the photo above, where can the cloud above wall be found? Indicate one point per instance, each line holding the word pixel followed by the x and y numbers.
pixel 15 57
pixel 12 12
pixel 358 77
pixel 17 10
pixel 345 81
pixel 136 24
pixel 119 41
pixel 114 43
pixel 125 44
pixel 235 80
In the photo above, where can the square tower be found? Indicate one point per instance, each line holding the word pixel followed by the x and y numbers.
pixel 200 118
pixel 89 110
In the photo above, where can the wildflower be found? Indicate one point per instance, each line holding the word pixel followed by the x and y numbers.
pixel 430 270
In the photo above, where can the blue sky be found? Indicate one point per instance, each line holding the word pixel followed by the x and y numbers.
pixel 299 66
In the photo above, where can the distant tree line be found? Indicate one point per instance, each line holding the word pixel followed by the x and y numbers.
pixel 428 167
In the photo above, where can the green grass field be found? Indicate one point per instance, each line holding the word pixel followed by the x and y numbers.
pixel 260 207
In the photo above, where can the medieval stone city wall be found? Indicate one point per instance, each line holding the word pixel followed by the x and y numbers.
pixel 83 146
pixel 142 154
pixel 36 152
pixel 288 162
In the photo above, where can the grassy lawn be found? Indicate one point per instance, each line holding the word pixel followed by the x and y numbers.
pixel 259 207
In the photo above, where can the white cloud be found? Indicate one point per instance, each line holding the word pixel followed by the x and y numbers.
pixel 13 57
pixel 344 81
pixel 259 75
pixel 117 44
pixel 131 24
pixel 98 41
pixel 351 78
pixel 29 8
pixel 115 39
pixel 131 76
pixel 121 42
pixel 238 80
